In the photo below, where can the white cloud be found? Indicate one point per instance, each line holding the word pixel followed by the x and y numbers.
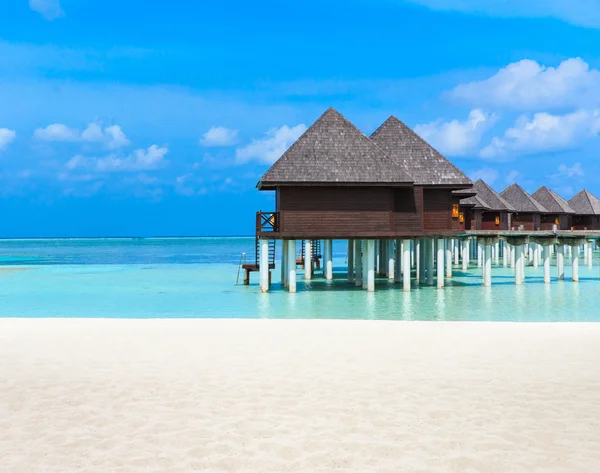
pixel 570 172
pixel 512 177
pixel 269 149
pixel 527 85
pixel 6 137
pixel 456 138
pixel 140 160
pixel 219 136
pixel 489 175
pixel 111 137
pixel 544 132
pixel 579 12
pixel 49 9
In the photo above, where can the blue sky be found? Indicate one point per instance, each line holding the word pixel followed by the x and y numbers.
pixel 154 118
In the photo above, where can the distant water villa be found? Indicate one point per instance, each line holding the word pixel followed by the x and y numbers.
pixel 407 212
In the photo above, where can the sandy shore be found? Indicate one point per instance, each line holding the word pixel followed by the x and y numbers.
pixel 276 396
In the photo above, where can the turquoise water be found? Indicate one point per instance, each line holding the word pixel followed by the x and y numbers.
pixel 195 277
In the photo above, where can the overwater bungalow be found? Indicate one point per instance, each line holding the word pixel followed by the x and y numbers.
pixel 334 182
pixel 528 211
pixel 497 214
pixel 471 210
pixel 560 213
pixel 587 211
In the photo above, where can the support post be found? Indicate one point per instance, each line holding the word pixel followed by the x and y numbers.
pixel 536 255
pixel 422 261
pixel 487 267
pixel 575 262
pixel 456 245
pixel 505 253
pixel 291 265
pixel 365 263
pixel 406 265
pixel 513 256
pixel 449 258
pixel 430 245
pixel 351 261
pixel 547 264
pixel 264 265
pixel 371 265
pixel 479 255
pixel 497 253
pixel 590 254
pixel 391 259
pixel 284 261
pixel 358 263
pixel 440 263
pixel 328 244
pixel 465 255
pixel 398 263
pixel 519 264
pixel 307 259
pixel 560 261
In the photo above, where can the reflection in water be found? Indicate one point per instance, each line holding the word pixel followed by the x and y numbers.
pixel 440 304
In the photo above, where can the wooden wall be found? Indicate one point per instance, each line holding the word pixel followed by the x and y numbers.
pixel 529 221
pixel 346 212
pixel 488 221
pixel 586 222
pixel 548 222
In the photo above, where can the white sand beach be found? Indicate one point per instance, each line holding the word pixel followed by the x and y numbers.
pixel 277 396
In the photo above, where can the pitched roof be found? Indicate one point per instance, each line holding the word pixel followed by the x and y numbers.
pixel 464 192
pixel 333 150
pixel 521 200
pixel 418 158
pixel 552 201
pixel 494 200
pixel 585 203
pixel 476 202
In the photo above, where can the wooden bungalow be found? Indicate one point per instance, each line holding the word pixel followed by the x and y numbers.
pixel 336 183
pixel 466 205
pixel 587 211
pixel 528 211
pixel 560 213
pixel 497 211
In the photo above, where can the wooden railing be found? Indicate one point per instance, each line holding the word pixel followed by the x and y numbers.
pixel 267 222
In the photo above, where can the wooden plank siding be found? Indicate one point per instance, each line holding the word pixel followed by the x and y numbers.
pixel 529 221
pixel 586 222
pixel 548 221
pixel 369 212
pixel 488 221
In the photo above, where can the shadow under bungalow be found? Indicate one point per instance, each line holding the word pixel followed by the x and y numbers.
pixel 401 205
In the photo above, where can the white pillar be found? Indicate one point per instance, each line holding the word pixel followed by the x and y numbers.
pixel 391 259
pixel 519 264
pixel 365 263
pixel 547 264
pixel 413 259
pixel 328 244
pixel 291 265
pixel 358 263
pixel 307 259
pixel 505 253
pixel 449 258
pixel 456 244
pixel 371 265
pixel 560 261
pixel 264 264
pixel 497 253
pixel 575 262
pixel 398 263
pixel 479 255
pixel 351 261
pixel 284 261
pixel 406 265
pixel 423 261
pixel 590 254
pixel 430 245
pixel 523 263
pixel 376 255
pixel 419 261
pixel 585 252
pixel 440 263
pixel 465 254
pixel 513 256
pixel 535 255
pixel 487 267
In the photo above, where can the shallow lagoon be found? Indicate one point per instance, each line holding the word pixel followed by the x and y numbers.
pixel 195 277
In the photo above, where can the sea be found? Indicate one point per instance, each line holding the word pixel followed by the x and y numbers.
pixel 201 278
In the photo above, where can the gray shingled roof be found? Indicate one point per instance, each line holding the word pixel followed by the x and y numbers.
pixel 476 202
pixel 419 159
pixel 585 203
pixel 521 200
pixel 333 150
pixel 494 200
pixel 552 201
